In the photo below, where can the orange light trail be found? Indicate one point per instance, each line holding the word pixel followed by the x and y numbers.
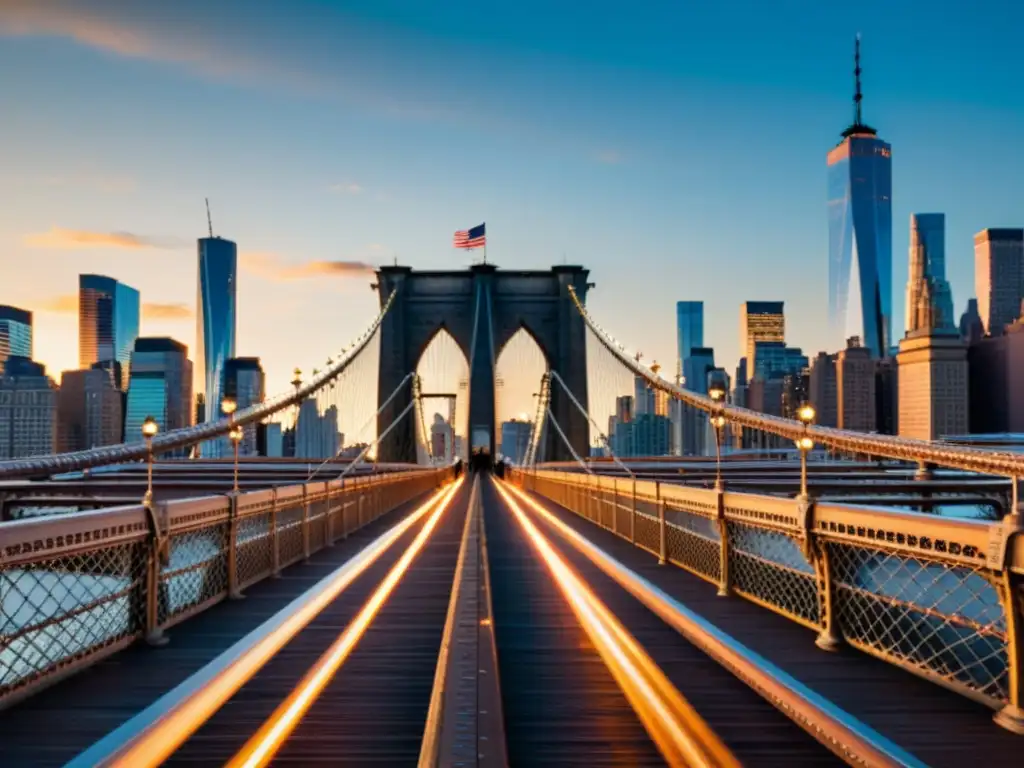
pixel 183 718
pixel 679 732
pixel 272 735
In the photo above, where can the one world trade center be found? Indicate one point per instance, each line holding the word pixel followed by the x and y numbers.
pixel 860 233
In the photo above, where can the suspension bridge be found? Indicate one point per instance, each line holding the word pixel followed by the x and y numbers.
pixel 790 594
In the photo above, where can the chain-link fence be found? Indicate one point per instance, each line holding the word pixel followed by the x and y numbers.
pixel 78 587
pixel 937 596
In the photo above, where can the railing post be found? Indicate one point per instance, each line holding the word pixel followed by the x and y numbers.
pixel 275 541
pixel 305 521
pixel 1011 591
pixel 156 554
pixel 632 516
pixel 662 540
pixel 328 517
pixel 723 548
pixel 234 593
pixel 344 510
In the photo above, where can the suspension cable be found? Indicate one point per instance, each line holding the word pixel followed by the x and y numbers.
pixel 568 445
pixel 602 435
pixel 369 421
pixel 375 443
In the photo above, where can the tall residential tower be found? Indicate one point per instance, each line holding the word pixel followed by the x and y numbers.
pixel 860 232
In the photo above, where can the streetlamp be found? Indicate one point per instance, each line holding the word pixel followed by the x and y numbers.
pixel 228 405
pixel 805 413
pixel 235 435
pixel 149 430
pixel 717 392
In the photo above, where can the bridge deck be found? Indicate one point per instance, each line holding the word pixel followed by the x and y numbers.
pixel 939 727
pixel 56 724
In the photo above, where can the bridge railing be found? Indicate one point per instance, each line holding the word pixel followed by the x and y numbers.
pixel 79 587
pixel 940 597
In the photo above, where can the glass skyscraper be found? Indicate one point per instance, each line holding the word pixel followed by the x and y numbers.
pixel 689 330
pixel 215 328
pixel 108 323
pixel 160 386
pixel 15 334
pixel 860 233
pixel 928 265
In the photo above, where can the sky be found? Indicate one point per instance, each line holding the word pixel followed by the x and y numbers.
pixel 677 149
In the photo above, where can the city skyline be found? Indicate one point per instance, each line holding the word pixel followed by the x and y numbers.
pixel 83 202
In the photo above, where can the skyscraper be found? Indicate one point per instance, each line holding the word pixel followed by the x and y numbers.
pixel 89 409
pixel 215 327
pixel 760 321
pixel 28 410
pixel 860 232
pixel 690 332
pixel 160 386
pixel 928 265
pixel 15 334
pixel 108 322
pixel 855 377
pixel 244 381
pixel 999 277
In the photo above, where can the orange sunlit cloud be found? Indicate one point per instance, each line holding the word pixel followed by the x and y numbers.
pixel 67 304
pixel 70 239
pixel 269 266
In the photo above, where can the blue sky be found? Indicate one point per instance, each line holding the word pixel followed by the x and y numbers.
pixel 675 148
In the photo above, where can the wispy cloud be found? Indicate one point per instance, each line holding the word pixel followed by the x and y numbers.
pixel 348 188
pixel 608 156
pixel 67 304
pixel 73 239
pixel 155 311
pixel 270 266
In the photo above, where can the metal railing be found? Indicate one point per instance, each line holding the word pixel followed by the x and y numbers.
pixel 79 587
pixel 940 597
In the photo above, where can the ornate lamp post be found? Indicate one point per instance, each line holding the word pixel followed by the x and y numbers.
pixel 235 435
pixel 716 391
pixel 149 430
pixel 805 444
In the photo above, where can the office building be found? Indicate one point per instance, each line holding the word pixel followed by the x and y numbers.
pixel 795 391
pixel 215 327
pixel 108 323
pixel 28 410
pixel 693 426
pixel 515 439
pixel 996 381
pixel 270 439
pixel 159 385
pixel 244 381
pixel 823 389
pixel 15 333
pixel 90 409
pixel 773 358
pixel 928 266
pixel 689 332
pixel 887 402
pixel 855 380
pixel 932 384
pixel 760 321
pixel 860 232
pixel 317 435
pixel 999 277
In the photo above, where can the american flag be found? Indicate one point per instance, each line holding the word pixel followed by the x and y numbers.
pixel 471 238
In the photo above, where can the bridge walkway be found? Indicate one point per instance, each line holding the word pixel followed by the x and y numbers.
pixel 59 722
pixel 563 707
pixel 939 727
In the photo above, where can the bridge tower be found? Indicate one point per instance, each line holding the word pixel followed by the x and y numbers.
pixel 482 308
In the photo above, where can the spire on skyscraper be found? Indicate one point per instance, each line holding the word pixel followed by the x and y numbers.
pixel 858 96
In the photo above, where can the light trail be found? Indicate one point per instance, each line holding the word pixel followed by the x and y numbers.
pixel 272 735
pixel 845 735
pixel 149 738
pixel 679 732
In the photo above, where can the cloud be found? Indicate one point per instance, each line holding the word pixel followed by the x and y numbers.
pixel 350 188
pixel 76 238
pixel 67 304
pixel 155 311
pixel 64 304
pixel 269 266
pixel 608 157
